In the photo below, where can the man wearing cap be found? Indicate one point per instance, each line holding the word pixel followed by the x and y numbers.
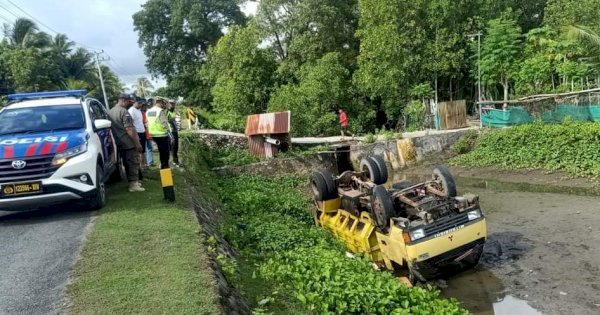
pixel 127 141
pixel 159 129
pixel 171 116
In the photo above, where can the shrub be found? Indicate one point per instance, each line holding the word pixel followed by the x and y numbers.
pixel 415 113
pixel 466 143
pixel 573 147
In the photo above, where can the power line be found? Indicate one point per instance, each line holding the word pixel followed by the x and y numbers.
pixel 5 18
pixel 33 17
pixel 94 50
pixel 9 11
pixel 46 26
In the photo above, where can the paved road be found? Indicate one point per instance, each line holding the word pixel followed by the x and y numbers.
pixel 37 250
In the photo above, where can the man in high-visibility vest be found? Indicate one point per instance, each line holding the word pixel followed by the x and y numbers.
pixel 159 129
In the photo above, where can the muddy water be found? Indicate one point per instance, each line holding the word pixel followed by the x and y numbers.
pixel 541 256
pixel 482 293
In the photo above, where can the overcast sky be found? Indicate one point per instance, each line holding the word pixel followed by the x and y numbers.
pixel 97 24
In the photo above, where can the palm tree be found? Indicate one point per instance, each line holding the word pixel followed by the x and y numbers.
pixel 583 33
pixel 79 65
pixel 61 45
pixel 143 87
pixel 24 33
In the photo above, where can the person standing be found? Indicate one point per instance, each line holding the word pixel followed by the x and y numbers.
pixel 172 114
pixel 148 158
pixel 159 129
pixel 191 118
pixel 140 129
pixel 127 140
pixel 343 122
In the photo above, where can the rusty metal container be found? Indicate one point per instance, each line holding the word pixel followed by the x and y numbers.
pixel 270 125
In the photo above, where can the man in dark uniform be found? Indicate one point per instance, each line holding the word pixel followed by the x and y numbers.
pixel 127 141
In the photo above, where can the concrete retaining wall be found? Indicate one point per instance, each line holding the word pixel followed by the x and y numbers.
pixel 413 149
pixel 407 152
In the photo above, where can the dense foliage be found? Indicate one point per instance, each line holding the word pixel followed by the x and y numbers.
pixel 31 60
pixel 571 147
pixel 366 56
pixel 270 224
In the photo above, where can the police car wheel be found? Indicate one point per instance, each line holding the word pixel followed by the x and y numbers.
pixel 98 201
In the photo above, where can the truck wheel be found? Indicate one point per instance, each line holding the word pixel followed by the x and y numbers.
pixel 382 207
pixel 444 178
pixel 98 201
pixel 330 183
pixel 371 170
pixel 322 186
pixel 403 184
pixel 382 167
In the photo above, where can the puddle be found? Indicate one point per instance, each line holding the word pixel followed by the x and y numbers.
pixel 480 292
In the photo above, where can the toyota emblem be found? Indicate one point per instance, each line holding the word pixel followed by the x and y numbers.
pixel 19 165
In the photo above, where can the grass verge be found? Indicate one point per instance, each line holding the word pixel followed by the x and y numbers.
pixel 143 256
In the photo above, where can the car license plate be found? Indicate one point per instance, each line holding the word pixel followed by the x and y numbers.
pixel 20 189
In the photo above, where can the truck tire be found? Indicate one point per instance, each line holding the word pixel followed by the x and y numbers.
pixel 98 200
pixel 371 170
pixel 403 184
pixel 443 176
pixel 382 167
pixel 322 186
pixel 330 183
pixel 382 207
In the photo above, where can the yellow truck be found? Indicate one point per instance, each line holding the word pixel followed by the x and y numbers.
pixel 424 228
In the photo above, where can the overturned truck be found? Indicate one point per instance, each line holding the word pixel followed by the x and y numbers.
pixel 422 228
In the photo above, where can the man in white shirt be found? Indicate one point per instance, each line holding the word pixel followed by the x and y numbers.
pixel 138 123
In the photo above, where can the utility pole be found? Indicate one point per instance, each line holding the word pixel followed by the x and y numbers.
pixel 101 78
pixel 479 99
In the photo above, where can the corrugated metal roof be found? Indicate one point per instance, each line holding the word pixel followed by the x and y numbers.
pixel 267 124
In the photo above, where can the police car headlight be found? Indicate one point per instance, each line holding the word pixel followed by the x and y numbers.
pixel 62 157
pixel 474 215
pixel 417 234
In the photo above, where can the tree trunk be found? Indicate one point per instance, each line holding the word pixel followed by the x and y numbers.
pixel 451 98
pixel 505 86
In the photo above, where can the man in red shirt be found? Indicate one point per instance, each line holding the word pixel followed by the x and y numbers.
pixel 343 122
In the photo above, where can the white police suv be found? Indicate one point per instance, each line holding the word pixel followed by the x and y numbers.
pixel 55 147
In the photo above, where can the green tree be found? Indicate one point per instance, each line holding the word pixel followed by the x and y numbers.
pixel 304 31
pixel 323 88
pixel 381 72
pixel 175 36
pixel 501 52
pixel 241 75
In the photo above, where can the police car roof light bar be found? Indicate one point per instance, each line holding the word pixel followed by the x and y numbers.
pixel 22 96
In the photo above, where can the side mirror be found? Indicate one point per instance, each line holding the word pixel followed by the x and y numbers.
pixel 102 124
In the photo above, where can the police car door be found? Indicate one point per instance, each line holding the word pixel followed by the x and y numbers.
pixel 109 151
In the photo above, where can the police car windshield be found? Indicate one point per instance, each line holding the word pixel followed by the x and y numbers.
pixel 41 119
